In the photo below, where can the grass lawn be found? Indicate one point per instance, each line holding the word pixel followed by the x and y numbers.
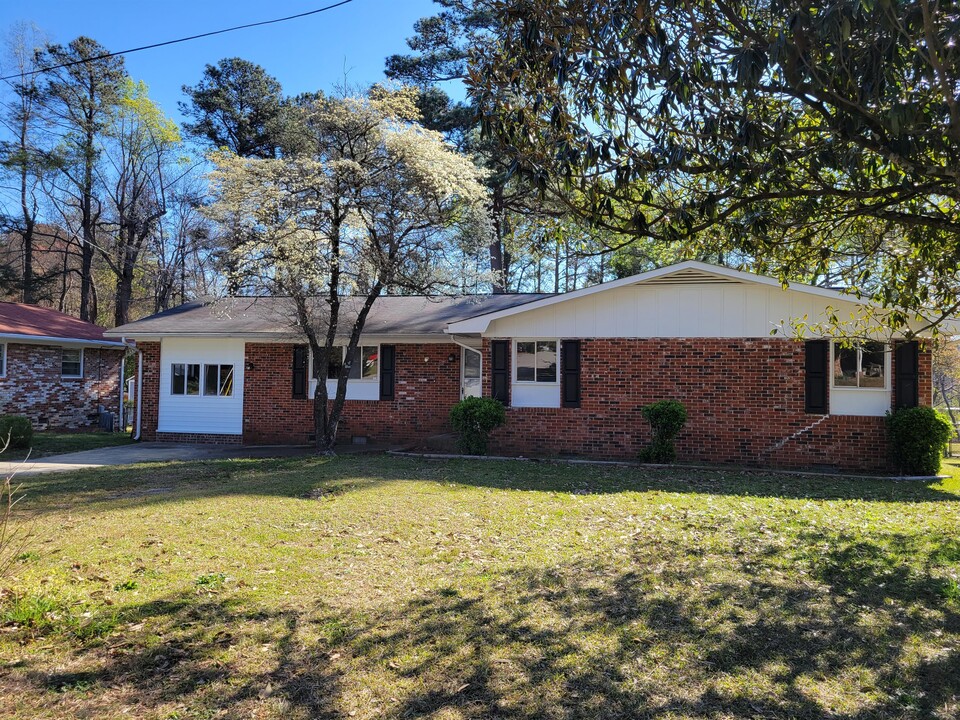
pixel 375 587
pixel 54 443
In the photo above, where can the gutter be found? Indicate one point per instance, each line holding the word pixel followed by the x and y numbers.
pixel 53 340
pixel 453 339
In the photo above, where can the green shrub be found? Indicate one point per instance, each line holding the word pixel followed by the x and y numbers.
pixel 666 418
pixel 473 419
pixel 18 429
pixel 918 436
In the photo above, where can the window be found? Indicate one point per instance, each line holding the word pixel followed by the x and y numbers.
pixel 71 363
pixel 365 365
pixel 860 366
pixel 536 361
pixel 184 379
pixel 218 380
pixel 3 360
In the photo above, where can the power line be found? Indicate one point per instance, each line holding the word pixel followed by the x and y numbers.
pixel 179 40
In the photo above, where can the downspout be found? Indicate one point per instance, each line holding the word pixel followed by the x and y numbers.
pixel 123 367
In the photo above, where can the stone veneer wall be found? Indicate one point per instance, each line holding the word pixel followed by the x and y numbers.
pixel 33 386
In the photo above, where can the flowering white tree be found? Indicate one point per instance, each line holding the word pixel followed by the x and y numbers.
pixel 375 204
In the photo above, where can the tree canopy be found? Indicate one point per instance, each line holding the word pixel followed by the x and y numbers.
pixel 821 138
pixel 374 206
pixel 236 105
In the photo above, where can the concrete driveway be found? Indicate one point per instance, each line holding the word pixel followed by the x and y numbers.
pixel 145 452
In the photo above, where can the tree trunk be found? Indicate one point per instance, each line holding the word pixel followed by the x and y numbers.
pixel 88 309
pixel 496 246
pixel 127 264
pixel 327 415
pixel 28 291
pixel 123 296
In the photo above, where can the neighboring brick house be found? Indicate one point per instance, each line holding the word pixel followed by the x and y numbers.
pixel 59 371
pixel 574 371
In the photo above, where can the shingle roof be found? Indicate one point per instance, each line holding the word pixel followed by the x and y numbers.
pixel 39 322
pixel 390 315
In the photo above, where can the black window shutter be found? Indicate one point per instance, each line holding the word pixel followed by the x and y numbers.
pixel 570 385
pixel 817 376
pixel 906 388
pixel 500 367
pixel 300 372
pixel 388 366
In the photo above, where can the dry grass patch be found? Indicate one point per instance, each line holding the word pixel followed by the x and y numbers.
pixel 370 587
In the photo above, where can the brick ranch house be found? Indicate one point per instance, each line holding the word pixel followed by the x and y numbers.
pixel 574 370
pixel 59 371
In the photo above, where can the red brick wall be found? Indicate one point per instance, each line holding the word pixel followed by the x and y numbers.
pixel 427 384
pixel 150 396
pixel 33 387
pixel 744 399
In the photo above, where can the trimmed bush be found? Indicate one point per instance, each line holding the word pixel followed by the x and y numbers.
pixel 666 418
pixel 18 429
pixel 474 419
pixel 918 436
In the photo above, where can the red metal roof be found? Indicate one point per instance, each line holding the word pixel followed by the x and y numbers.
pixel 34 321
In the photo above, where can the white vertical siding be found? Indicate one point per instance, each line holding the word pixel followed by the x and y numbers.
pixel 708 310
pixel 200 413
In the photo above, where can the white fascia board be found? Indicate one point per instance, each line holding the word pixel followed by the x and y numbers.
pixel 51 340
pixel 156 337
pixel 480 323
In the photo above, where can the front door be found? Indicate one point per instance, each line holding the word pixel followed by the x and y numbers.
pixel 470 366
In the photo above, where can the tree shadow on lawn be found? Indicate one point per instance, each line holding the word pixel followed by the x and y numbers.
pixel 849 639
pixel 309 477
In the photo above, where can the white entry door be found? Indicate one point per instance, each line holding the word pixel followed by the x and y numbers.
pixel 470 374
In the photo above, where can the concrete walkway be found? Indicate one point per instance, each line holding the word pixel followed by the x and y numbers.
pixel 145 452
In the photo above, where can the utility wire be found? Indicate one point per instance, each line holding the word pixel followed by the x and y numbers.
pixel 174 42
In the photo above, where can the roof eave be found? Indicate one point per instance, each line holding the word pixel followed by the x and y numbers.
pixel 54 340
pixel 291 337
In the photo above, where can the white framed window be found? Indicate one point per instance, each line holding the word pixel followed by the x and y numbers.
pixel 535 361
pixel 185 379
pixel 218 380
pixel 861 366
pixel 3 359
pixel 71 362
pixel 365 365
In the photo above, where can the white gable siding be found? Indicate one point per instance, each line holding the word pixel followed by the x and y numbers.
pixel 712 310
pixel 199 413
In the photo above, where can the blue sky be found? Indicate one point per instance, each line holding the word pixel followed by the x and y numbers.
pixel 306 54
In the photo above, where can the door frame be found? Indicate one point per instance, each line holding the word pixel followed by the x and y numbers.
pixel 463 363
